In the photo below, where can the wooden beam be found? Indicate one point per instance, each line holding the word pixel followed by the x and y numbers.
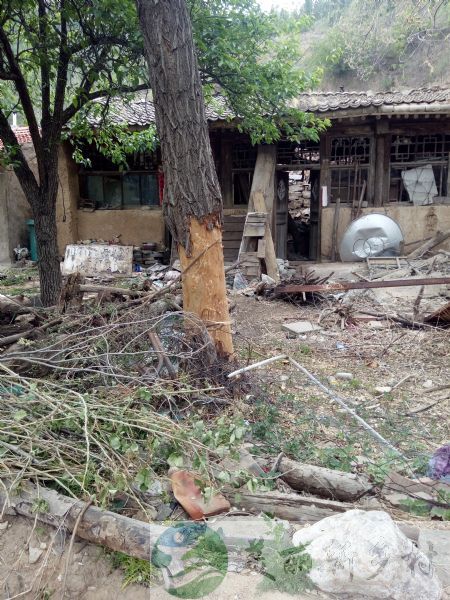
pixel 379 170
pixel 359 285
pixel 262 200
pixel 226 170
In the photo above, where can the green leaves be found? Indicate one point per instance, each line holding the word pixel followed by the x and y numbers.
pixel 254 58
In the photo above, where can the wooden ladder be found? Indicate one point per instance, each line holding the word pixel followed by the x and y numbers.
pixel 252 254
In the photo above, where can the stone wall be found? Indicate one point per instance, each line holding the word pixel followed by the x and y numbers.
pixel 14 210
pixel 416 222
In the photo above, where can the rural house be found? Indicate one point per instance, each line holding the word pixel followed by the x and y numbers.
pixel 385 152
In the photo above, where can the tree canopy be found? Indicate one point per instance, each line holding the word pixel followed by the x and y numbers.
pixel 57 55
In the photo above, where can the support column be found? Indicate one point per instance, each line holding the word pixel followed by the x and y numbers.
pixel 226 170
pixel 382 163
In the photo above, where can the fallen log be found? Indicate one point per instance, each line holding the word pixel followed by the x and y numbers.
pixel 440 237
pixel 358 285
pixel 116 532
pixel 325 483
pixel 15 306
pixel 292 507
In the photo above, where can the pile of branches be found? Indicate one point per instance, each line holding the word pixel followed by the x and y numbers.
pixel 308 277
pixel 88 445
pixel 96 394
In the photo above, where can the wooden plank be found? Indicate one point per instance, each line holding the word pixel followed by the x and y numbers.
pixel 232 235
pixel 254 230
pixel 261 248
pixel 231 244
pixel 440 237
pixel 360 285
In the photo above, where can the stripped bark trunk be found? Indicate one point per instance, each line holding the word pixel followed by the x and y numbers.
pixel 192 200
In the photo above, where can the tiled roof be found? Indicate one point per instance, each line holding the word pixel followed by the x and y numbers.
pixel 140 111
pixel 335 101
pixel 22 134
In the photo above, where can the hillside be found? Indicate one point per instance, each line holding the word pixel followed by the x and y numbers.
pixel 377 44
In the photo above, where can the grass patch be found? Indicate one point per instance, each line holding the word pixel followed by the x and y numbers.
pixel 135 570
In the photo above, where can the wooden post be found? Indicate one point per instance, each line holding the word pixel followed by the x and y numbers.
pixel 335 230
pixel 382 163
pixel 379 170
pixel 263 187
pixel 262 200
pixel 371 173
pixel 226 170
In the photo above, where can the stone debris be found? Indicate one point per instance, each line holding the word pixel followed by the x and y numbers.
pixel 365 555
pixel 345 376
pixel 34 554
pixel 301 327
pixel 436 545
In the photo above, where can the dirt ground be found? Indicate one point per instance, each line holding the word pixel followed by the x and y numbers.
pixel 90 575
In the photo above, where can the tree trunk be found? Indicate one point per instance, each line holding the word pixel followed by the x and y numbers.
pixel 44 213
pixel 192 199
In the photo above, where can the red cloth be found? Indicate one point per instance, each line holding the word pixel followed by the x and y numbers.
pixel 161 186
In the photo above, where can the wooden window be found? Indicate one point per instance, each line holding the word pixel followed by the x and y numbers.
pixel 116 191
pixel 349 167
pixel 415 151
pixel 293 154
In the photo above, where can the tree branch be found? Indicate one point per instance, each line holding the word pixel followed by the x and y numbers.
pixel 43 61
pixel 25 99
pixel 20 165
pixel 71 110
pixel 61 78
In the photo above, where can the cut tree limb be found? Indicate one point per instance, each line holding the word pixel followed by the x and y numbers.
pixel 292 507
pixel 323 482
pixel 116 532
pixel 440 237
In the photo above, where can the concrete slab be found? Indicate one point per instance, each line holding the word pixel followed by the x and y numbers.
pixel 93 259
pixel 301 327
pixel 436 545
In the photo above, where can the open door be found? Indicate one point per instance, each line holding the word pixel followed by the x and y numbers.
pixel 281 203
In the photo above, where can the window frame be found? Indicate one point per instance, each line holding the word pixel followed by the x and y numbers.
pixel 83 176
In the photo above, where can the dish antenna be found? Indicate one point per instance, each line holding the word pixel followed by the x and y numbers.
pixel 371 235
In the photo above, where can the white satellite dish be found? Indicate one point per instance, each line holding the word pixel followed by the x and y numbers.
pixel 371 235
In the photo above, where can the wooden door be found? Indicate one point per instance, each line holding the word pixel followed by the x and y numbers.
pixel 281 203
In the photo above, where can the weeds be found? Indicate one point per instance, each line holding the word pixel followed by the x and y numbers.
pixel 135 570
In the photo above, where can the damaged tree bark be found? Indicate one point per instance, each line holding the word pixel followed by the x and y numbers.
pixel 192 198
